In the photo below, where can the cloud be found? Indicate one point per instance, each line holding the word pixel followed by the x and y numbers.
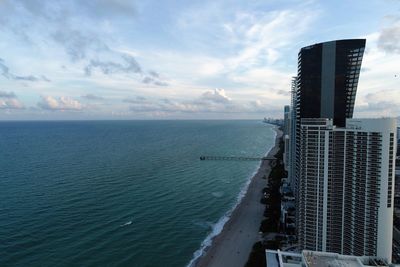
pixel 209 102
pixel 262 36
pixel 155 81
pixel 96 9
pixel 12 103
pixel 30 78
pixel 216 96
pixel 154 78
pixel 128 65
pixel 4 94
pixel 109 9
pixel 5 72
pixel 137 99
pixel 382 103
pixel 92 97
pixel 8 100
pixel 123 63
pixel 154 74
pixel 378 93
pixel 389 39
pixel 44 78
pixel 147 80
pixel 76 43
pixel 283 92
pixel 61 103
pixel 66 25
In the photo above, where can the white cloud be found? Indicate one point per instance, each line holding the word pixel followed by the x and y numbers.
pixel 11 103
pixel 216 96
pixel 211 102
pixel 60 103
pixel 4 94
pixel 8 101
pixel 248 48
pixel 378 92
pixel 210 67
pixel 92 97
pixel 263 35
pixel 253 61
pixel 389 37
pixel 384 103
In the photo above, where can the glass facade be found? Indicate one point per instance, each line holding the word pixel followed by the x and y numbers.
pixel 329 79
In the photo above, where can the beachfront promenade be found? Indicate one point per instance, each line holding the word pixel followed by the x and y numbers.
pixel 233 245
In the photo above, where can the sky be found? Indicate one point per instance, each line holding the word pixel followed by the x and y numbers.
pixel 120 59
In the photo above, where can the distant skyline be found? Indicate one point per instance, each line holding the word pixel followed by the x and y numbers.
pixel 122 59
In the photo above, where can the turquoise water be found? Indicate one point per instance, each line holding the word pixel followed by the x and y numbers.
pixel 119 193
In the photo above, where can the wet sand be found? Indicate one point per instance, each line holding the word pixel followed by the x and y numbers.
pixel 233 245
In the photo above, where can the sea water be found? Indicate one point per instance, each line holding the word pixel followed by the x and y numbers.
pixel 120 193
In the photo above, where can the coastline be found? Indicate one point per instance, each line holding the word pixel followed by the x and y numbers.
pixel 233 244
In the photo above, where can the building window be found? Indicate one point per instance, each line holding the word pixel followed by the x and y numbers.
pixel 390 171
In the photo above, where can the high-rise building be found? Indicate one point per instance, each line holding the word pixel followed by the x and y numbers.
pixel 286 139
pixel 327 79
pixel 346 189
pixel 398 143
pixel 292 135
pixel 342 169
pixel 286 119
pixel 325 87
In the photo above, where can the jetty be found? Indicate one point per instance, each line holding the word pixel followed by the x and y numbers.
pixel 236 158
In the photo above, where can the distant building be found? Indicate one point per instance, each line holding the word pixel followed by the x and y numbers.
pixel 346 190
pixel 286 139
pixel 398 132
pixel 286 119
pixel 292 137
pixel 398 143
pixel 277 258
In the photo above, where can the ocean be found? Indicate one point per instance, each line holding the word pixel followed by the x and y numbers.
pixel 120 193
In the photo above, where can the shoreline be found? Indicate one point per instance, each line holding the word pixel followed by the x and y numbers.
pixel 233 244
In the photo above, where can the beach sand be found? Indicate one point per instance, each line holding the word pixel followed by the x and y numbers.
pixel 233 245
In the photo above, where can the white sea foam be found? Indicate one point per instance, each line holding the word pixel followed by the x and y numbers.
pixel 127 223
pixel 217 228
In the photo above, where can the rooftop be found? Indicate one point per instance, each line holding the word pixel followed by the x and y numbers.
pixel 277 258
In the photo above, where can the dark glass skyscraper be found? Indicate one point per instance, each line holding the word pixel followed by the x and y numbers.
pixel 325 87
pixel 327 79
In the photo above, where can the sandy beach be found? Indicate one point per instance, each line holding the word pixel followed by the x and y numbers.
pixel 233 245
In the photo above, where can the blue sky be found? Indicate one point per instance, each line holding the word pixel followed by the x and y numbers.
pixel 104 59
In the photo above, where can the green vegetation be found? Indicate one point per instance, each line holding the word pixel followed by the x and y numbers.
pixel 272 201
pixel 272 197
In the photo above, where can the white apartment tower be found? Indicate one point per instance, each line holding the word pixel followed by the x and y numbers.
pixel 346 189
